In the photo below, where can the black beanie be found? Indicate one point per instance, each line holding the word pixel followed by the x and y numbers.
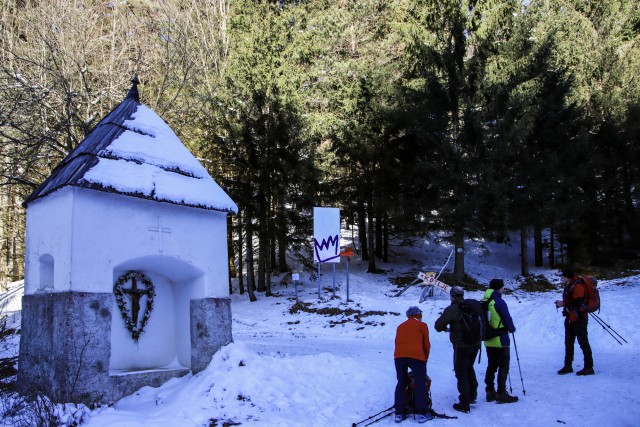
pixel 457 292
pixel 496 284
pixel 568 273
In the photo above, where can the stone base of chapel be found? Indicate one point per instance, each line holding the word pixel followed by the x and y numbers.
pixel 65 346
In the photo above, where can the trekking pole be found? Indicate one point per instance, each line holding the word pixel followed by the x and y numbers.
pixel 510 388
pixel 518 359
pixel 379 418
pixel 373 416
pixel 599 319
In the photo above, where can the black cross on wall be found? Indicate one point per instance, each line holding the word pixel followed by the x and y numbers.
pixel 135 294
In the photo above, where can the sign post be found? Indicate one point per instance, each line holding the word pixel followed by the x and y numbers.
pixel 326 238
pixel 348 253
pixel 296 277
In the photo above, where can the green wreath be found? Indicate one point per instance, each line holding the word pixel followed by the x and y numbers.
pixel 118 289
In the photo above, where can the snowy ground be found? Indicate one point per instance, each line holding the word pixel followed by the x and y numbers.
pixel 309 369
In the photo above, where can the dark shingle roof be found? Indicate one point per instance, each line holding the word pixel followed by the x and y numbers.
pixel 133 152
pixel 72 168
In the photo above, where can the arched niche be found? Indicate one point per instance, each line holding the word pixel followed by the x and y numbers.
pixel 46 272
pixel 165 342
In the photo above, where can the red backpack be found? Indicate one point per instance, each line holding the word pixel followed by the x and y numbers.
pixel 592 295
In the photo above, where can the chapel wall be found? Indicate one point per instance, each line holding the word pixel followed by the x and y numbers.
pixel 111 229
pixel 48 230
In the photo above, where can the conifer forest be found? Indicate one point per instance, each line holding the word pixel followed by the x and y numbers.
pixel 472 118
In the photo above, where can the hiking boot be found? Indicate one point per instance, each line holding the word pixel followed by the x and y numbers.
pixel 491 396
pixel 398 418
pixel 585 371
pixel 565 370
pixel 422 418
pixel 461 408
pixel 505 398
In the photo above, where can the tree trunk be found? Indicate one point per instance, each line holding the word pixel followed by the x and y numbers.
pixel 251 283
pixel 362 229
pixel 538 246
pixel 552 249
pixel 458 271
pixel 281 226
pixel 378 229
pixel 262 259
pixel 371 246
pixel 268 251
pixel 273 256
pixel 230 251
pixel 524 252
pixel 385 240
pixel 239 229
pixel 273 235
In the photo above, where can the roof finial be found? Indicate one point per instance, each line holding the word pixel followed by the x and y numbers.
pixel 133 92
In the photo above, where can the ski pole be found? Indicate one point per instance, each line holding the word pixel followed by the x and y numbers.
pixel 379 418
pixel 595 316
pixel 373 416
pixel 597 319
pixel 518 359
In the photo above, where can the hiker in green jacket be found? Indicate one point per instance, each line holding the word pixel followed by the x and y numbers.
pixel 498 352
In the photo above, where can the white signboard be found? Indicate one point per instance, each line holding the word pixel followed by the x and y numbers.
pixel 429 279
pixel 326 235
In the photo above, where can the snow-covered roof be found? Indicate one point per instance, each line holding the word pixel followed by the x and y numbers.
pixel 133 152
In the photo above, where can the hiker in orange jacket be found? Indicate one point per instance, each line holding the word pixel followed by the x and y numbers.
pixel 412 348
pixel 575 323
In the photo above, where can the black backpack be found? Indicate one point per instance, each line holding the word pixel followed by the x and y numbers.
pixel 471 319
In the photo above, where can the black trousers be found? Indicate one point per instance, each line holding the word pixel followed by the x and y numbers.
pixel 498 359
pixel 464 357
pixel 573 330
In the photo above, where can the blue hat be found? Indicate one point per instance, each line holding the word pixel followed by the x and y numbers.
pixel 413 311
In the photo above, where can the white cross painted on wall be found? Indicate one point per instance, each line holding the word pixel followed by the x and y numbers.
pixel 160 229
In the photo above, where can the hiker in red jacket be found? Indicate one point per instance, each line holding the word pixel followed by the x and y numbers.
pixel 575 323
pixel 412 351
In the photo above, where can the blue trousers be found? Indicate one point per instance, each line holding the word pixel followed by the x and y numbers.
pixel 419 369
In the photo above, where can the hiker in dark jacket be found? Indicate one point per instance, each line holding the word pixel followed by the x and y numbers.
pixel 575 323
pixel 463 354
pixel 412 349
pixel 498 351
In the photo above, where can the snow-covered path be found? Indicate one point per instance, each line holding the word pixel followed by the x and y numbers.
pixel 312 370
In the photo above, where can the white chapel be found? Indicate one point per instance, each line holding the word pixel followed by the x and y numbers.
pixel 126 269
